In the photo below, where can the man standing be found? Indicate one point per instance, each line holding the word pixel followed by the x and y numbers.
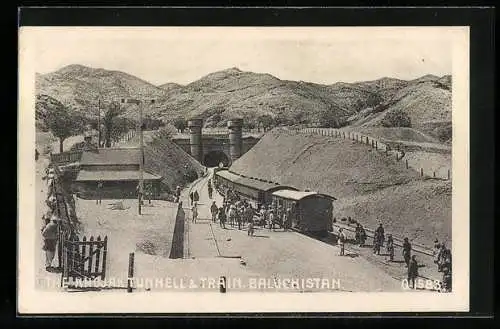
pixel 213 210
pixel 196 196
pixel 270 218
pixel 222 217
pixel 435 252
pixel 406 251
pixel 99 193
pixel 49 234
pixel 380 233
pixel 446 284
pixel 342 238
pixel 194 211
pixel 412 271
pixel 177 193
pixel 210 190
pixel 191 197
pixel 390 247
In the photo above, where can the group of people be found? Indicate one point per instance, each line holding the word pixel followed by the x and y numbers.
pixel 239 213
pixel 275 215
pixel 51 221
pixel 442 255
pixel 442 258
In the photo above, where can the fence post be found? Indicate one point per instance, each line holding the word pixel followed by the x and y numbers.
pixel 130 271
pixel 421 172
pixel 433 174
pixel 448 174
pixel 344 134
pixel 406 163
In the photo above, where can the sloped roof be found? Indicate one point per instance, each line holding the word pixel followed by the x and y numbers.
pixel 113 175
pixel 109 156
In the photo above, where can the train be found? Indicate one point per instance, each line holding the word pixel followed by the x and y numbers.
pixel 311 211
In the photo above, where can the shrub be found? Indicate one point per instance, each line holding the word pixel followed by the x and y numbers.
pixel 396 119
pixel 443 133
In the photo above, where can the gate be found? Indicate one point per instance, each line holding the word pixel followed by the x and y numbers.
pixel 84 260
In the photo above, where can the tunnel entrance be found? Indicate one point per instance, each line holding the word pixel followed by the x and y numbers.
pixel 213 158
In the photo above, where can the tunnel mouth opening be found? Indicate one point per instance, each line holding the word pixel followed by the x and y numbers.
pixel 214 158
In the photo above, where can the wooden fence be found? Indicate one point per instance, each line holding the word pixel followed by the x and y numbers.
pixel 84 259
pixel 65 157
pixel 398 153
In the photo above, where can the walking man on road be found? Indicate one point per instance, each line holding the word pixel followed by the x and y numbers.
pixel 177 193
pixel 380 233
pixel 99 193
pixel 446 284
pixel 222 217
pixel 390 247
pixel 214 209
pixel 412 271
pixel 406 251
pixel 194 211
pixel 210 190
pixel 342 238
pixel 435 251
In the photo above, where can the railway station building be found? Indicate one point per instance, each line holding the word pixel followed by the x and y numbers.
pixel 118 171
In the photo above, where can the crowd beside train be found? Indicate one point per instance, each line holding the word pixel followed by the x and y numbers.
pixel 236 211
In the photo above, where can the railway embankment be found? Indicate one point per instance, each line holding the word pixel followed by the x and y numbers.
pixel 369 184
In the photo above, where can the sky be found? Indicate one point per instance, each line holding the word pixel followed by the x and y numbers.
pixel 185 54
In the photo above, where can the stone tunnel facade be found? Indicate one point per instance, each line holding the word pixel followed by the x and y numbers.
pixel 210 150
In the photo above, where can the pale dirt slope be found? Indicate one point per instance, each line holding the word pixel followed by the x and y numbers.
pixel 369 186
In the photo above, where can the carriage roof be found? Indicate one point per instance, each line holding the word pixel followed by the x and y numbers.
pixel 299 195
pixel 251 182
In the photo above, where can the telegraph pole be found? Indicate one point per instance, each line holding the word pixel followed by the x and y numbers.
pixel 141 162
pixel 99 121
pixel 140 193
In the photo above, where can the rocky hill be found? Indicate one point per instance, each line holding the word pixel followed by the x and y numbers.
pixel 80 87
pixel 232 93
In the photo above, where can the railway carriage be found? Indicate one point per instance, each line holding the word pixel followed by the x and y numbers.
pixel 311 211
pixel 254 190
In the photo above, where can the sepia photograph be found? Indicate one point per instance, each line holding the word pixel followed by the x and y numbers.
pixel 243 169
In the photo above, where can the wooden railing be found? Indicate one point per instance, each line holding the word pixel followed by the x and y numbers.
pixel 66 157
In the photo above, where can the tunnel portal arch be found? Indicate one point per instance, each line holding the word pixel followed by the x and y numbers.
pixel 213 158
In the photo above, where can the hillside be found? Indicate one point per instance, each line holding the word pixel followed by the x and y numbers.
pixel 170 86
pixel 231 93
pixel 80 87
pixel 369 186
pixel 44 103
pixel 164 158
